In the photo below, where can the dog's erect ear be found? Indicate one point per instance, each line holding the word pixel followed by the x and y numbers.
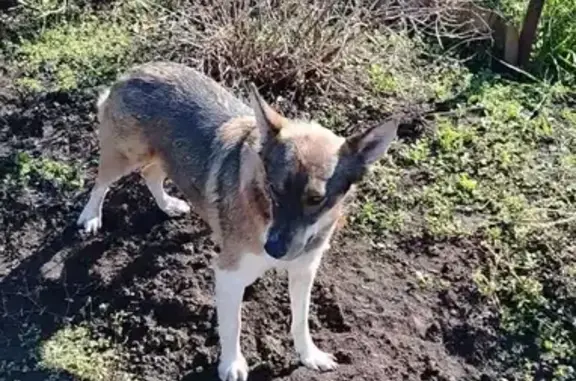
pixel 251 168
pixel 368 146
pixel 269 121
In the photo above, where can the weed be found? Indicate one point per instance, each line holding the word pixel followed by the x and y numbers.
pixel 71 55
pixel 75 351
pixel 30 171
pixel 497 178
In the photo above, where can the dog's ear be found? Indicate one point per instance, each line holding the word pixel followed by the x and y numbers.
pixel 368 146
pixel 251 168
pixel 269 121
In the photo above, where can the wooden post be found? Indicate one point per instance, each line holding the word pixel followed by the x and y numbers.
pixel 528 33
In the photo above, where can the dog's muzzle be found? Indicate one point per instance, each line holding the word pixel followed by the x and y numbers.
pixel 276 246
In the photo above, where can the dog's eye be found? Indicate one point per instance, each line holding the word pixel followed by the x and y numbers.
pixel 314 200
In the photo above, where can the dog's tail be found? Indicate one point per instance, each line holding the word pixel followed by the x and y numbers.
pixel 103 97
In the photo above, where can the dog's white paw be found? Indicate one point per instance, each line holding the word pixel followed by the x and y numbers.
pixel 315 359
pixel 90 220
pixel 235 369
pixel 175 207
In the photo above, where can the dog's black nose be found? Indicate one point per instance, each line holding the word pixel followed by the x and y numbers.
pixel 276 247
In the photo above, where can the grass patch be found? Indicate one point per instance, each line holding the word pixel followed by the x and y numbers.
pixel 498 170
pixel 26 170
pixel 75 351
pixel 72 55
pixel 72 351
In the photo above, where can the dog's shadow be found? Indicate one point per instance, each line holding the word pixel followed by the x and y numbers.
pixel 55 285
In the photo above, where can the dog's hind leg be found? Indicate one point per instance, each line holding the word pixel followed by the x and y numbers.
pixel 154 176
pixel 301 276
pixel 113 165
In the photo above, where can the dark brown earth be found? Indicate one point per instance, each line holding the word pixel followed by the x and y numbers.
pixel 146 282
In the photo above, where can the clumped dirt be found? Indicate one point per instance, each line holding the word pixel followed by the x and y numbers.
pixel 145 279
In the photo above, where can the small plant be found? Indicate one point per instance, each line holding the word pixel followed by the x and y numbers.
pixel 70 55
pixel 27 170
pixel 76 351
pixel 556 46
pixel 383 81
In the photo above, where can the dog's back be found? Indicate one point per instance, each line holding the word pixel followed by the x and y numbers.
pixel 182 120
pixel 178 114
pixel 172 121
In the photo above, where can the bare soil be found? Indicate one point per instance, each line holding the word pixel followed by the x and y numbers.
pixel 145 279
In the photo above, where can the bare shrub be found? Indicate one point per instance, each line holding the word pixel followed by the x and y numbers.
pixel 296 48
pixel 288 46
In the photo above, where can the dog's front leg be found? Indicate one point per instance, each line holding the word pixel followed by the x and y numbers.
pixel 301 277
pixel 229 290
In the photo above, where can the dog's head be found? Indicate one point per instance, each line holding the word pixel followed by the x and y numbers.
pixel 310 170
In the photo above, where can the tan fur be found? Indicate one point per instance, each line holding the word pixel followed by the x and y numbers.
pixel 317 150
pixel 248 212
pixel 121 150
pixel 247 216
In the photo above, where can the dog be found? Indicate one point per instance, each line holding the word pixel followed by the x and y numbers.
pixel 272 189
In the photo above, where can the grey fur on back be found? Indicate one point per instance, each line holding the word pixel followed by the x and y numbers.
pixel 180 111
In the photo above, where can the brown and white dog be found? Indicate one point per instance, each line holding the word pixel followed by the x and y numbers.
pixel 272 189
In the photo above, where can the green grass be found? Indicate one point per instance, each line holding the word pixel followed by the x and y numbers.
pixel 66 45
pixel 556 48
pixel 26 170
pixel 72 55
pixel 76 351
pixel 499 170
pixel 72 351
